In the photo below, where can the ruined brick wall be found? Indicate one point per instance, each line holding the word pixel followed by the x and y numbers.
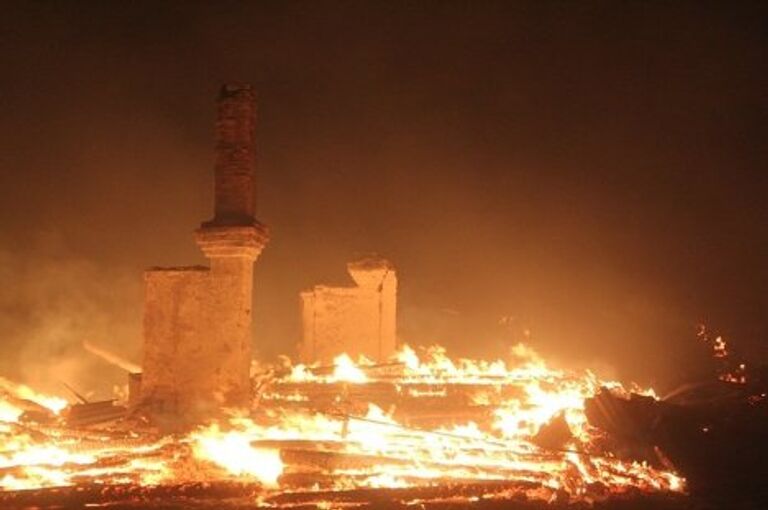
pixel 197 338
pixel 198 320
pixel 359 320
pixel 174 311
pixel 234 190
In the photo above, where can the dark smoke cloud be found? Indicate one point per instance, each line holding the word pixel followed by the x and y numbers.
pixel 593 172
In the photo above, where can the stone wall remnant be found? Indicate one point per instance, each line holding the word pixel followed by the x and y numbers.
pixel 357 320
pixel 197 320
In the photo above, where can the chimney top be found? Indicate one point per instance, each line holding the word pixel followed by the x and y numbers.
pixel 234 89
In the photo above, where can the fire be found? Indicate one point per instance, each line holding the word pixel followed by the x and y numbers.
pixel 233 451
pixel 53 404
pixel 719 348
pixel 728 371
pixel 419 420
pixel 344 369
pixel 9 412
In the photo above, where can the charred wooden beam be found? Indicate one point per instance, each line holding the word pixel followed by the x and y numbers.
pixel 128 495
pixel 383 496
pixel 93 413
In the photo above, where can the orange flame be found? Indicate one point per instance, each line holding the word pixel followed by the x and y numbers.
pixel 521 397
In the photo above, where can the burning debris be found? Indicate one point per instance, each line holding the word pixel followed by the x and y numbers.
pixel 418 421
pixel 728 369
pixel 714 430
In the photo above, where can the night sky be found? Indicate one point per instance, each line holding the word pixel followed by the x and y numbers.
pixel 594 172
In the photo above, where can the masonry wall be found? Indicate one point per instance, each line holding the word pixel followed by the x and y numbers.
pixel 197 338
pixel 174 313
pixel 358 320
pixel 197 320
pixel 230 327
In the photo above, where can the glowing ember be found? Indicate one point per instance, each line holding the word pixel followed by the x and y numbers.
pixel 728 371
pixel 343 427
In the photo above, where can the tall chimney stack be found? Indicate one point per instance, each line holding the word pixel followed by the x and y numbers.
pixel 232 241
pixel 235 157
pixel 198 320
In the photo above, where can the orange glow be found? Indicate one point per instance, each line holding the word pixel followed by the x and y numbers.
pixel 53 404
pixel 372 445
pixel 233 452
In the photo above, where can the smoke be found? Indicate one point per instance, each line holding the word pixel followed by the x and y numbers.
pixel 50 303
pixel 595 173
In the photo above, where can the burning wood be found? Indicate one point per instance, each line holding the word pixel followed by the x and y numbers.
pixel 93 413
pixel 713 435
pixel 525 428
pixel 112 358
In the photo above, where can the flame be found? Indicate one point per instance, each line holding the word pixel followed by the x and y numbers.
pixel 344 369
pixel 728 370
pixel 357 443
pixel 9 412
pixel 53 404
pixel 233 452
pixel 719 348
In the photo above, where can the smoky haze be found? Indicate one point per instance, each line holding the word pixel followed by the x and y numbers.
pixel 590 172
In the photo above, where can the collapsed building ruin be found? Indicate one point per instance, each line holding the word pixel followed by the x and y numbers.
pixel 357 320
pixel 197 319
